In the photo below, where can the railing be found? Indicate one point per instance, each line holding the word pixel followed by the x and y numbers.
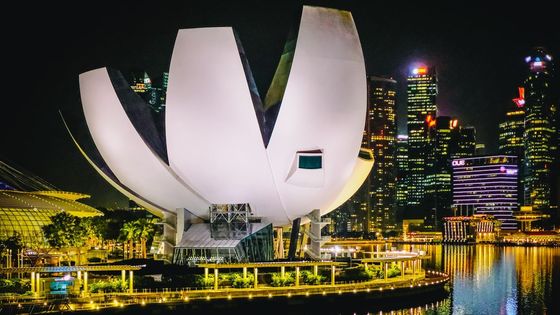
pixel 187 294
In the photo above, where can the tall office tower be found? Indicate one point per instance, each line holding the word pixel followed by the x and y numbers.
pixel 401 160
pixel 512 128
pixel 421 102
pixel 511 137
pixel 437 185
pixel 159 90
pixel 540 136
pixel 463 142
pixel 486 185
pixel 153 92
pixel 382 130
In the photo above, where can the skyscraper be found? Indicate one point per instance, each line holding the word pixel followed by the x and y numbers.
pixel 421 104
pixel 152 92
pixel 463 142
pixel 511 132
pixel 486 185
pixel 401 160
pixel 511 137
pixel 382 131
pixel 437 183
pixel 540 136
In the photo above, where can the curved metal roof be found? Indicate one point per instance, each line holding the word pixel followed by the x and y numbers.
pixel 12 199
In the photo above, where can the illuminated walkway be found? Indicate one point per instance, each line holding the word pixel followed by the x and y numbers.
pixel 379 288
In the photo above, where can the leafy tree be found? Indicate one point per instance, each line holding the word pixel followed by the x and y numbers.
pixel 66 231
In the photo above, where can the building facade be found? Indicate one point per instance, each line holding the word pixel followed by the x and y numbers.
pixel 510 140
pixel 476 228
pixel 437 185
pixel 401 160
pixel 421 104
pixel 174 172
pixel 153 92
pixel 540 135
pixel 463 142
pixel 486 185
pixel 381 129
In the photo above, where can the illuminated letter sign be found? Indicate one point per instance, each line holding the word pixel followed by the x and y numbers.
pixel 458 162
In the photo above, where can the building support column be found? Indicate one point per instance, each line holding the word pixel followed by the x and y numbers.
pixel 333 270
pixel 130 282
pixel 33 282
pixel 244 272
pixel 315 269
pixel 402 269
pixel 215 278
pixel 256 274
pixel 365 266
pixel 79 275
pixel 385 270
pixel 279 243
pixel 85 282
pixel 205 273
pixel 282 271
pixel 38 283
pixel 123 276
pixel 297 277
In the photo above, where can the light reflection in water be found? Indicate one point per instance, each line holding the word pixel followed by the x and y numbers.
pixel 488 279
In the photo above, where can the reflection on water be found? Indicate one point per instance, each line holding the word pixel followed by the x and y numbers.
pixel 488 279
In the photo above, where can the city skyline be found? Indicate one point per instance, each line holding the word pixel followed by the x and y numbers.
pixel 476 71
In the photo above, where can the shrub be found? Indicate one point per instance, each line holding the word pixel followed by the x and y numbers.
pixel 279 281
pixel 109 285
pixel 203 282
pixel 393 271
pixel 355 274
pixel 374 273
pixel 308 277
pixel 15 285
pixel 237 280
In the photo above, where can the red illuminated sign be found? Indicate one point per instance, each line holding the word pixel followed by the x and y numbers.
pixel 520 101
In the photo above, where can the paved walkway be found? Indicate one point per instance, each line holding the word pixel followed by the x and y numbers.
pixel 100 301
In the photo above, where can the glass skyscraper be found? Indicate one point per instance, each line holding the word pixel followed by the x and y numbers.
pixel 511 137
pixel 381 129
pixel 437 183
pixel 421 104
pixel 540 136
pixel 401 161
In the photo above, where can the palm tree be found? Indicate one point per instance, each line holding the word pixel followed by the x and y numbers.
pixel 129 232
pixel 145 229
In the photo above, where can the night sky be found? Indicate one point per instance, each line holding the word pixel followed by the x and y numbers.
pixel 478 51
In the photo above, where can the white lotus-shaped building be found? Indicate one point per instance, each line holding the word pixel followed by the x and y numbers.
pixel 296 151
